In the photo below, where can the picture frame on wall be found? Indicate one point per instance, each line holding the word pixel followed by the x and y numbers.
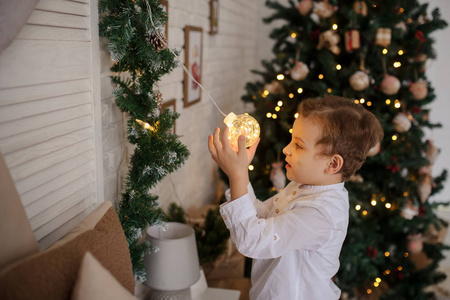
pixel 214 17
pixel 165 7
pixel 193 50
pixel 170 105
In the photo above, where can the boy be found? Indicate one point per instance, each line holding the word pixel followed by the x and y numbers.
pixel 296 236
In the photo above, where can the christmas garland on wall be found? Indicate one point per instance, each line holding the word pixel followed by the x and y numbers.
pixel 139 62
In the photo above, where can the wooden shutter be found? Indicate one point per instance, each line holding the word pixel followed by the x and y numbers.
pixel 50 123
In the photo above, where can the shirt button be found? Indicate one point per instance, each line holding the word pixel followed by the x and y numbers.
pixel 277 210
pixel 276 199
pixel 274 237
pixel 300 186
pixel 224 217
pixel 294 192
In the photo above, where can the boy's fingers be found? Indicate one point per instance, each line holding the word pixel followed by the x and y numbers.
pixel 241 144
pixel 216 142
pixel 225 140
pixel 211 147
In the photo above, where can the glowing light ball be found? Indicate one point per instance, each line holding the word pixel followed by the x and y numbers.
pixel 242 125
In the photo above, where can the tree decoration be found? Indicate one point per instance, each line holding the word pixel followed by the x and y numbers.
pixel 330 40
pixel 352 40
pixel 299 71
pixel 360 7
pixel 274 87
pixel 401 123
pixel 431 152
pixel 323 9
pixel 359 81
pixel 304 7
pixel 156 42
pixel 385 195
pixel 419 90
pixel 383 37
pixel 374 150
pixel 158 152
pixel 242 125
pixel 390 85
pixel 415 243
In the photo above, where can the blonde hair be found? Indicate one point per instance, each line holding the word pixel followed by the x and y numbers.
pixel 348 129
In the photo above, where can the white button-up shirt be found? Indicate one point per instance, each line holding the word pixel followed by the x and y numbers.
pixel 294 238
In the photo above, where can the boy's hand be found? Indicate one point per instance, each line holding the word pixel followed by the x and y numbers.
pixel 234 164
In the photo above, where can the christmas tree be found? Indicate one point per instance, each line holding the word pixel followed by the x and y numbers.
pixel 373 52
pixel 134 29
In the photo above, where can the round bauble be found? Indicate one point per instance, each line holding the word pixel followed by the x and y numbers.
pixel 359 81
pixel 419 90
pixel 374 150
pixel 401 123
pixel 243 124
pixel 274 87
pixel 323 9
pixel 390 85
pixel 299 71
pixel 304 7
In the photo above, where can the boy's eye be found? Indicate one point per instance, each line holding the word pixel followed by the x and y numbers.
pixel 298 146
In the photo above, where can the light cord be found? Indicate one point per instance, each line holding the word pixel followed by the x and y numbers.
pixel 158 34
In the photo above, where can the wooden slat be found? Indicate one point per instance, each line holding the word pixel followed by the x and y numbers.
pixel 60 231
pixel 68 7
pixel 24 110
pixel 82 200
pixel 30 138
pixel 35 166
pixel 46 148
pixel 37 32
pixel 19 126
pixel 42 91
pixel 47 18
pixel 56 183
pixel 30 62
pixel 41 178
pixel 51 199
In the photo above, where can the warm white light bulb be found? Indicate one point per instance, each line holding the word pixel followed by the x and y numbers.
pixel 242 125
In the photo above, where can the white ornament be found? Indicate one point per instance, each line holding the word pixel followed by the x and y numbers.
pixel 274 87
pixel 299 71
pixel 359 81
pixel 374 150
pixel 277 176
pixel 390 85
pixel 401 123
pixel 330 40
pixel 323 9
pixel 242 125
pixel 410 211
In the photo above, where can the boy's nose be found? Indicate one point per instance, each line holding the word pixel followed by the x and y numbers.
pixel 285 150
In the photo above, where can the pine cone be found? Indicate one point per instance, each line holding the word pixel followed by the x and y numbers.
pixel 155 41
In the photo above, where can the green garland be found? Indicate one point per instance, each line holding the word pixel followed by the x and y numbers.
pixel 138 66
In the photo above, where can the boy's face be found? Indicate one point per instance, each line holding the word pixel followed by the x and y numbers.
pixel 305 165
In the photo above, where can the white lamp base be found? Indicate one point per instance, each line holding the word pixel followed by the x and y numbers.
pixel 170 295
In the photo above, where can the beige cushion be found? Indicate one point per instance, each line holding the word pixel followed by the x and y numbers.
pixel 51 274
pixel 17 238
pixel 96 283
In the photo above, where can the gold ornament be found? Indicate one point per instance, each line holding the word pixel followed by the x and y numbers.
pixel 330 40
pixel 383 37
pixel 243 124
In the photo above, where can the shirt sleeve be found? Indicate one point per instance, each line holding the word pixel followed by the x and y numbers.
pixel 303 227
pixel 262 208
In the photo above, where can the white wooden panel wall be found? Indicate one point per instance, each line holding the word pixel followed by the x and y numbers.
pixel 49 119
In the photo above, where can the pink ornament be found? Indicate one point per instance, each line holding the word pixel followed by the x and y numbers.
pixel 305 7
pixel 374 150
pixel 299 71
pixel 359 81
pixel 415 243
pixel 401 123
pixel 390 85
pixel 419 90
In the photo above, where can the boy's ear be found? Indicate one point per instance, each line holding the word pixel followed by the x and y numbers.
pixel 335 164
